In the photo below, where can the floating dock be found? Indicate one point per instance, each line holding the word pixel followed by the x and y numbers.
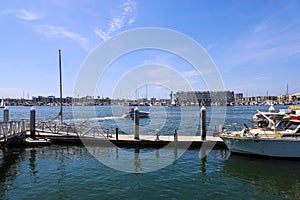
pixel 144 141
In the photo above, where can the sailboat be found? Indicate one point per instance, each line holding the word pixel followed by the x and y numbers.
pixel 173 103
pixel 2 104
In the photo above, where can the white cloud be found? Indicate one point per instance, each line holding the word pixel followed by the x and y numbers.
pixel 103 35
pixel 190 74
pixel 58 31
pixel 131 21
pixel 126 17
pixel 275 37
pixel 260 78
pixel 27 15
pixel 211 46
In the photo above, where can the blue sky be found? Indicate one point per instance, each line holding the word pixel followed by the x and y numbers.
pixel 255 44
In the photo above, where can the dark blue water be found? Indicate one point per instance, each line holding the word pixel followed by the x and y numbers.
pixel 72 172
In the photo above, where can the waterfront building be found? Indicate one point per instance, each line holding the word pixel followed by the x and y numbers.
pixel 50 100
pixel 238 98
pixel 207 98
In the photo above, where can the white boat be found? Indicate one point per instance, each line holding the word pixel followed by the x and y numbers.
pixel 143 114
pixel 173 103
pixel 2 104
pixel 36 142
pixel 284 147
pixel 281 138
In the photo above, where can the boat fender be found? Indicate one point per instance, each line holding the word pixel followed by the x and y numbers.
pixel 245 131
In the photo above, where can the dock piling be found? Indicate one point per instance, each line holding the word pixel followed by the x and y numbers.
pixel 6 114
pixel 136 123
pixel 203 122
pixel 175 137
pixel 32 123
pixel 117 133
pixel 157 135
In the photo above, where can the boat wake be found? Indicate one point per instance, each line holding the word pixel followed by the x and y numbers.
pixel 78 120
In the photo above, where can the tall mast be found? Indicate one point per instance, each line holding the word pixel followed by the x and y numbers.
pixel 146 93
pixel 60 86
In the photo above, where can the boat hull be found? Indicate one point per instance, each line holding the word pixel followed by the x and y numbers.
pixel 272 147
pixel 37 142
pixel 143 114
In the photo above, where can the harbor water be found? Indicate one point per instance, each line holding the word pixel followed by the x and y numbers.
pixel 73 172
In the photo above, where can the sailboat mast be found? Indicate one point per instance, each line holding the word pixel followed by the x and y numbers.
pixel 146 93
pixel 60 86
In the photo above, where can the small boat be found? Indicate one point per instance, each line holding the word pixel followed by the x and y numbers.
pixel 173 103
pixel 2 104
pixel 279 137
pixel 143 114
pixel 36 142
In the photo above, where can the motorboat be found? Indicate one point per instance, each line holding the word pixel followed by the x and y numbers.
pixel 143 114
pixel 37 142
pixel 275 135
pixel 284 147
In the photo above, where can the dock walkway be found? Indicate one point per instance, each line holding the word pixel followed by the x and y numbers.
pixel 15 132
pixel 123 140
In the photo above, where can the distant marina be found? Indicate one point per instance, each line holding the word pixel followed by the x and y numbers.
pixel 192 98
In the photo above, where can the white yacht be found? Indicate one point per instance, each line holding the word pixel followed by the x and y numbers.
pixel 277 136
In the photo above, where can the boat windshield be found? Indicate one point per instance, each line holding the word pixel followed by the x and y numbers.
pixel 281 125
pixel 292 125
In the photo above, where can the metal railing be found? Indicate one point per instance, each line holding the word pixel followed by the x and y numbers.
pixel 56 127
pixel 80 129
pixel 18 128
pixel 12 128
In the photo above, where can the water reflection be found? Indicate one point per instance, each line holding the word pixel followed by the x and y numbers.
pixel 117 153
pixel 32 165
pixel 61 169
pixel 175 153
pixel 280 177
pixel 135 160
pixel 9 167
pixel 203 160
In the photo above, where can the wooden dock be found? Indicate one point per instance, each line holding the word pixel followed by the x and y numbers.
pixel 128 141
